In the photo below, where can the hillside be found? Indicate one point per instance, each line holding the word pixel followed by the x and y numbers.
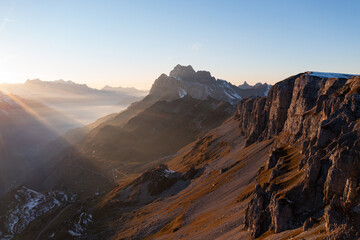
pixel 26 127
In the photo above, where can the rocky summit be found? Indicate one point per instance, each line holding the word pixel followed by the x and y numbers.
pixel 184 80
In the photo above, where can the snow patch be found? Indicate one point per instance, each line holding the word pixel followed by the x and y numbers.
pixel 331 75
pixel 236 95
pixel 168 172
pixel 267 90
pixel 74 234
pixel 178 78
pixel 182 93
pixel 27 206
pixel 81 226
pixel 230 96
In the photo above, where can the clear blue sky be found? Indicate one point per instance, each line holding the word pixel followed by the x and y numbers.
pixel 130 43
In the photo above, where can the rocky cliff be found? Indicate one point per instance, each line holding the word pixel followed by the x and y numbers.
pixel 318 114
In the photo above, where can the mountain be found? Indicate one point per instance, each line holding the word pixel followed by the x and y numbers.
pixel 136 138
pixel 184 80
pixel 245 85
pixel 26 127
pixel 128 91
pixel 78 101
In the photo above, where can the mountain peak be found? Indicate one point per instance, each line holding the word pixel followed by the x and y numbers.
pixel 184 80
pixel 245 85
pixel 180 71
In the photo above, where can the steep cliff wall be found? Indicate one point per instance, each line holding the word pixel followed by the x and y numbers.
pixel 319 115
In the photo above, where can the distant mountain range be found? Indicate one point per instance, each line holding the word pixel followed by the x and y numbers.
pixel 245 85
pixel 78 101
pixel 127 91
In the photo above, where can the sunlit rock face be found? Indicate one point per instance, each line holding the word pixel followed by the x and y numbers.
pixel 319 114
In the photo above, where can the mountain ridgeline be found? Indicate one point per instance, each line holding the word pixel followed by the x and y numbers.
pixel 200 158
pixel 183 80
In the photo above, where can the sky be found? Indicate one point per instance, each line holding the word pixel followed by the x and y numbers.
pixel 130 43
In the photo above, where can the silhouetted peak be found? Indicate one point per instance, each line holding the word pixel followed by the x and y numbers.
pixel 245 85
pixel 180 71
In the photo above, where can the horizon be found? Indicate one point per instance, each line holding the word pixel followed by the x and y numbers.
pixel 148 89
pixel 130 44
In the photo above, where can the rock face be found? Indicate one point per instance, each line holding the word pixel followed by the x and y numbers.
pixel 318 113
pixel 184 80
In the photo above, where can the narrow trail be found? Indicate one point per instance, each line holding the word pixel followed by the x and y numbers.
pixel 116 172
pixel 51 222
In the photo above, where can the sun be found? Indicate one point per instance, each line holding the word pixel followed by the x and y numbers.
pixel 9 77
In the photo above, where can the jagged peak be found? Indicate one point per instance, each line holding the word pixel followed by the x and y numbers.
pixel 180 71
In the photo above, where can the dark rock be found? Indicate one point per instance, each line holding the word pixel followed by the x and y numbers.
pixel 282 216
pixel 193 173
pixel 274 157
pixel 309 223
pixel 257 218
pixel 321 116
pixel 334 214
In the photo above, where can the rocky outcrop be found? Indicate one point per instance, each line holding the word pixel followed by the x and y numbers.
pixel 320 114
pixel 23 205
pixel 252 118
pixel 154 183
